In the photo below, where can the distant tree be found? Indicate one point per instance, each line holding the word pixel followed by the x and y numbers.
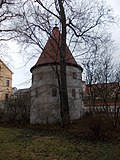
pixel 102 78
pixel 99 70
pixel 117 96
pixel 17 109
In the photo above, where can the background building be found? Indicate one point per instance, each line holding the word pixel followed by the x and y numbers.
pixel 5 81
pixel 102 97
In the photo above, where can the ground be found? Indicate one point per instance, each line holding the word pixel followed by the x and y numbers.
pixel 46 144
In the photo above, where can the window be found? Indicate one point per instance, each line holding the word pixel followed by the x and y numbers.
pixel 73 93
pixel 7 83
pixel 74 75
pixel 54 92
pixel 6 96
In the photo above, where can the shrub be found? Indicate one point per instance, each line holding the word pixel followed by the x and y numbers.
pixel 17 110
pixel 98 124
pixel 1 115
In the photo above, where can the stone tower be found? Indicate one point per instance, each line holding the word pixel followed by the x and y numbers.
pixel 45 103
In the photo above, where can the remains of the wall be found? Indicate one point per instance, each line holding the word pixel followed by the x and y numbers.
pixel 45 106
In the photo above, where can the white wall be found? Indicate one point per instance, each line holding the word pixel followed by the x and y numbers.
pixel 44 107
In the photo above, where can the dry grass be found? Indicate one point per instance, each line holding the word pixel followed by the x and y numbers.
pixel 53 143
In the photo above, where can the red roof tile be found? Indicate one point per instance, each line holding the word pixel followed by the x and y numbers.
pixel 51 51
pixel 98 91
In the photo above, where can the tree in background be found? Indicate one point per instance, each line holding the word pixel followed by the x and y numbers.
pixel 103 83
pixel 17 108
pixel 6 15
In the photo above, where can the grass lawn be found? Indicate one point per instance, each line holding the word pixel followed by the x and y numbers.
pixel 33 144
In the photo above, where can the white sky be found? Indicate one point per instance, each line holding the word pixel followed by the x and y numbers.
pixel 22 75
pixel 115 4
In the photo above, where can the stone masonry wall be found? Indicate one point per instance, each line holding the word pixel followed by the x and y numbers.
pixel 44 104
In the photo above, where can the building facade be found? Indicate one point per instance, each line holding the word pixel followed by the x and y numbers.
pixel 45 101
pixel 5 81
pixel 102 97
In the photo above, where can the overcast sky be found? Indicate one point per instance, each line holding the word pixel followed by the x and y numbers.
pixel 22 75
pixel 115 4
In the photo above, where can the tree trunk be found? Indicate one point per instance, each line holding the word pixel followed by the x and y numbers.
pixel 65 116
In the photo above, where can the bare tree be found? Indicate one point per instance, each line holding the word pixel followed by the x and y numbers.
pixel 103 83
pixel 17 108
pixel 4 2
pixel 99 69
pixel 6 14
pixel 83 22
pixel 116 94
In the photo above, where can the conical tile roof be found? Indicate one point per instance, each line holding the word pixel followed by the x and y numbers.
pixel 51 52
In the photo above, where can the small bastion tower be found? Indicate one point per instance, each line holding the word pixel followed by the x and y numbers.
pixel 45 101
